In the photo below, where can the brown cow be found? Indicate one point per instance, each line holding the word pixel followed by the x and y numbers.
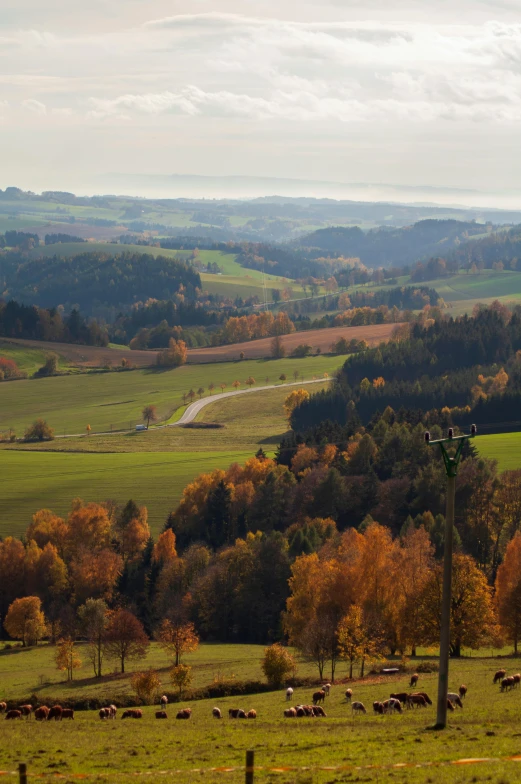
pixel 13 714
pixel 252 714
pixel 26 710
pixel 319 711
pixel 184 714
pixel 507 683
pixel 216 713
pixel 450 706
pixel 55 713
pixel 402 696
pixel 425 697
pixel 41 713
pixel 132 713
pixel 462 691
pixel 68 713
pixel 418 700
pixel 300 712
pixel 290 713
pixel 161 714
pixel 392 705
pixel 358 707
pixel 349 694
pixel 104 713
pixel 319 696
pixel 517 679
pixel 378 708
pixel 3 707
pixel 500 674
pixel 233 713
pixel 414 679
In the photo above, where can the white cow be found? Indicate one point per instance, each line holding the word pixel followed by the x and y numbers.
pixel 289 693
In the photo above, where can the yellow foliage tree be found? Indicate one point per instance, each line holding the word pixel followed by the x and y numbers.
pixel 294 399
pixel 164 549
pixel 277 664
pixel 508 592
pixel 146 685
pixel 25 620
pixel 177 638
pixel 66 657
pixel 181 678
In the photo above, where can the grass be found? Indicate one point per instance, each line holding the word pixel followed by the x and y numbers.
pixel 503 447
pixel 34 480
pixel 27 359
pixel 116 399
pixel 488 726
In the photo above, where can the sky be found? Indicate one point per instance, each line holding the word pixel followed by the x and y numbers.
pixel 410 93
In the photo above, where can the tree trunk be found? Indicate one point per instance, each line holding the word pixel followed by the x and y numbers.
pixel 351 670
pixel 321 671
pixel 413 650
pixel 362 668
pixel 122 663
pixel 515 646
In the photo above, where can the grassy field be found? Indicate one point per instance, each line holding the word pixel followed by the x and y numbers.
pixel 503 447
pixel 103 400
pixel 487 727
pixel 31 481
pixel 27 359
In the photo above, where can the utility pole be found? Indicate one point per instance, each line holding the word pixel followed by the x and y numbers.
pixel 451 467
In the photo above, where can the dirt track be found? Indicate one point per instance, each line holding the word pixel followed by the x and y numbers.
pixel 92 356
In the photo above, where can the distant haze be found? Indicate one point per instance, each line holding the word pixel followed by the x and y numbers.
pixel 329 99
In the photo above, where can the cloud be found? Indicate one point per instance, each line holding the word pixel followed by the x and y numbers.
pixel 34 106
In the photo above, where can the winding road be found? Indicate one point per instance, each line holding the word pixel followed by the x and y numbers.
pixel 194 408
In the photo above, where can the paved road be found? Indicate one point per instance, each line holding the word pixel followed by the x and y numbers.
pixel 194 408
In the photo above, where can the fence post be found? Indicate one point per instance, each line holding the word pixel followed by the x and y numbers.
pixel 250 767
pixel 22 769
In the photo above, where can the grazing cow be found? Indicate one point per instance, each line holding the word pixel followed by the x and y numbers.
pixel 319 696
pixel 500 674
pixel 450 706
pixel 358 707
pixel 3 707
pixel 68 713
pixel 131 713
pixel 462 691
pixel 455 699
pixel 402 696
pixel 104 713
pixel 300 712
pixel 319 711
pixel 252 714
pixel 55 713
pixel 13 714
pixel 507 683
pixel 378 708
pixel 41 713
pixel 26 710
pixel 425 697
pixel 164 701
pixel 184 714
pixel 216 713
pixel 517 679
pixel 392 706
pixel 349 694
pixel 309 710
pixel 233 713
pixel 113 710
pixel 289 694
pixel 414 679
pixel 416 699
pixel 161 714
pixel 290 713
pixel 326 689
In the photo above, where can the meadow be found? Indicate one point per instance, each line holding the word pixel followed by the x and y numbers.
pixel 487 727
pixel 503 447
pixel 115 400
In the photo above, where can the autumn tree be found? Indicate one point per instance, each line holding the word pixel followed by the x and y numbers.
pixel 66 657
pixel 132 529
pixel 250 381
pixel 277 664
pixel 39 431
pixel 94 619
pixel 211 388
pixel 352 637
pixel 25 620
pixel 236 384
pixel 149 414
pixel 125 637
pixel 47 527
pixel 508 592
pixel 164 549
pixel 277 348
pixel 176 354
pixel 177 638
pixel 472 621
pixel 200 392
pixel 146 685
pixel 12 582
pixel 295 398
pixel 95 574
pixel 223 386
pixel 181 678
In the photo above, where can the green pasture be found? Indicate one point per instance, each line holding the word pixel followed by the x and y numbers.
pixel 503 447
pixel 27 359
pixel 488 727
pixel 115 399
pixel 34 480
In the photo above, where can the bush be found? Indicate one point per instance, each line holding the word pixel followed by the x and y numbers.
pixel 39 431
pixel 302 350
pixel 277 664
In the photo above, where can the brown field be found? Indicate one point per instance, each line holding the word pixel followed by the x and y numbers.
pixel 317 338
pixel 93 356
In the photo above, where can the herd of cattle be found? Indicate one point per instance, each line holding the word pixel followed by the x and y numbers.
pixel 395 704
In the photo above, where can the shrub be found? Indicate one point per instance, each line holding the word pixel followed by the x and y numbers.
pixel 146 685
pixel 277 664
pixel 39 431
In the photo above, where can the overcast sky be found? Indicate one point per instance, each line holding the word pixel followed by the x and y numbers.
pixel 425 92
